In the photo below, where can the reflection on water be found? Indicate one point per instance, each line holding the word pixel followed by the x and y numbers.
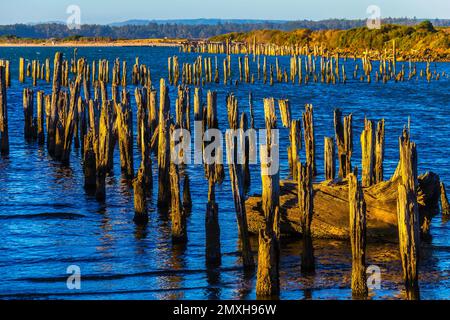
pixel 49 222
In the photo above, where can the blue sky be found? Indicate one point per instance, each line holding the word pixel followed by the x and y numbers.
pixel 107 11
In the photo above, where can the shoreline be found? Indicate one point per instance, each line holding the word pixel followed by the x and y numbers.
pixel 94 44
pixel 174 43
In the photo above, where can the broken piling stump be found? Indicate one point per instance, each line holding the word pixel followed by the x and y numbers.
pixel 408 215
pixel 140 203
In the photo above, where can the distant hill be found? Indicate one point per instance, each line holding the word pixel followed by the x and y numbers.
pixel 193 28
pixel 193 22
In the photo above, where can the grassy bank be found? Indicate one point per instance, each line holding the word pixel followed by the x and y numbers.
pixel 421 40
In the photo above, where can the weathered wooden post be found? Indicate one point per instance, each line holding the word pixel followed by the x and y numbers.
pixel 357 235
pixel 368 154
pixel 140 203
pixel 28 111
pixel 124 122
pixel 248 149
pixel 4 135
pixel 344 141
pixel 53 120
pixel 379 152
pixel 306 205
pixel 22 70
pixel 329 159
pixel 310 144
pixel 215 174
pixel 89 165
pixel 268 283
pixel 47 70
pixel 69 121
pixel 40 117
pixel 285 111
pixel 178 216
pixel 103 144
pixel 408 215
pixel 295 138
pixel 163 148
pixel 445 206
pixel 237 185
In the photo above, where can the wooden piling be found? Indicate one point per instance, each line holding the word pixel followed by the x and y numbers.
pixel 103 144
pixel 213 248
pixel 163 148
pixel 40 117
pixel 56 87
pixel 28 111
pixel 379 152
pixel 368 154
pixel 310 144
pixel 4 135
pixel 445 206
pixel 22 70
pixel 408 215
pixel 268 284
pixel 179 233
pixel 237 186
pixel 295 138
pixel 329 159
pixel 124 123
pixel 89 163
pixel 357 235
pixel 344 141
pixel 285 111
pixel 140 203
pixel 69 121
pixel 306 206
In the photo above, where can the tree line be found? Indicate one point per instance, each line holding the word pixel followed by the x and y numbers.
pixel 179 30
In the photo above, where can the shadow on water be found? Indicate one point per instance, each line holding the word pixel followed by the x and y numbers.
pixel 176 262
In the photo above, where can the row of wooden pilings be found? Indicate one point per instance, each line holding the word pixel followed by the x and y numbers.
pixel 97 124
pixel 302 70
pixel 331 70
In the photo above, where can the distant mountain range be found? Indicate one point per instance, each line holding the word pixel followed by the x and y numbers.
pixel 186 28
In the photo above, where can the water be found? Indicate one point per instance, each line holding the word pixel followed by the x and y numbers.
pixel 48 222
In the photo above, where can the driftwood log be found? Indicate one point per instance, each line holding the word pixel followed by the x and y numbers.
pixel 331 208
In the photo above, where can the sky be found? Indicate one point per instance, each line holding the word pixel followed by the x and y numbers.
pixel 108 11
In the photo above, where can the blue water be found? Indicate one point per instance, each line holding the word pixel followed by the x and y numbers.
pixel 48 222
